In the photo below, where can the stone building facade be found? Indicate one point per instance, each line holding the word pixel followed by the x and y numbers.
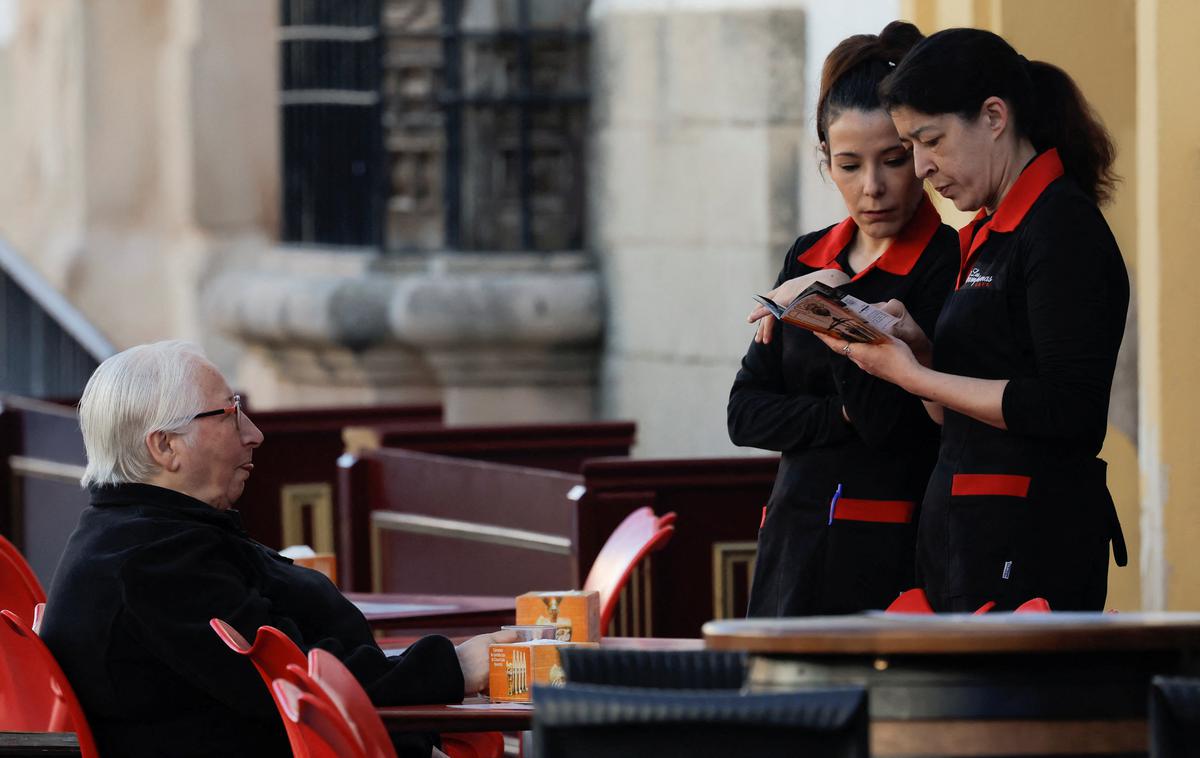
pixel 141 142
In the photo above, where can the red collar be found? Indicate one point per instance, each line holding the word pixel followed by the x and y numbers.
pixel 899 258
pixel 1029 186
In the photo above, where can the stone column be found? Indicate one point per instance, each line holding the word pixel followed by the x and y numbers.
pixel 697 126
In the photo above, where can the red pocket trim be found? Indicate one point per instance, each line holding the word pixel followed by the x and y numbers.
pixel 1008 485
pixel 879 511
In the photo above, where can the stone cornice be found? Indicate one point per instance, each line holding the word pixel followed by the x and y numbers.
pixel 476 319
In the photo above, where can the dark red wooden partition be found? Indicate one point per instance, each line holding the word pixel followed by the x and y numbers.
pixel 289 499
pixel 559 447
pixel 447 525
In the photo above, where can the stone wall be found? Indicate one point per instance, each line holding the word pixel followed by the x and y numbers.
pixel 142 153
pixel 703 172
pixel 143 182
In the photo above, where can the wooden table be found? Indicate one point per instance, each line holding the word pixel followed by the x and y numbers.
pixel 999 684
pixel 30 744
pixel 445 614
pixel 479 714
pixel 474 714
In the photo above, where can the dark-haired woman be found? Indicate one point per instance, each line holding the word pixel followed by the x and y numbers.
pixel 838 532
pixel 1023 355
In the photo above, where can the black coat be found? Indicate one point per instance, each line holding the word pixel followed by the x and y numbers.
pixel 788 396
pixel 128 619
pixel 1041 301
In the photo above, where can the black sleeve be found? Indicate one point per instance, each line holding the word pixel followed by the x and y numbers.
pixel 762 413
pixel 883 414
pixel 172 589
pixel 1077 292
pixel 427 672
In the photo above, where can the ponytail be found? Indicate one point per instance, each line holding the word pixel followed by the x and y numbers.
pixel 1068 122
pixel 955 70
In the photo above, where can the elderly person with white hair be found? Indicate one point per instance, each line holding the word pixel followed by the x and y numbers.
pixel 159 552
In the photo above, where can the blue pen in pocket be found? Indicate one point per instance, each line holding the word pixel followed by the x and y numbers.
pixel 833 502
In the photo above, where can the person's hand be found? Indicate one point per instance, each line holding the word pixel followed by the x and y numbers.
pixel 909 331
pixel 473 659
pixel 891 361
pixel 785 293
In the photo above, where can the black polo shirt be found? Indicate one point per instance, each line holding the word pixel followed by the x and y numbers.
pixel 1040 300
pixel 789 395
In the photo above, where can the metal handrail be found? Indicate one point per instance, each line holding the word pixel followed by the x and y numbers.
pixel 54 304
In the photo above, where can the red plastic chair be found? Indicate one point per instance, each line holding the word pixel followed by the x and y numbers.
pixel 1033 605
pixel 916 601
pixel 323 730
pixel 910 601
pixel 640 534
pixel 9 549
pixel 20 589
pixel 339 687
pixel 334 682
pixel 271 653
pixel 34 693
pixel 473 745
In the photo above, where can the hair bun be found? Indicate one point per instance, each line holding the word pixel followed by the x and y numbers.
pixel 897 38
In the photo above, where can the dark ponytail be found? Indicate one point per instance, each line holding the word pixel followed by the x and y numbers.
pixel 955 70
pixel 853 70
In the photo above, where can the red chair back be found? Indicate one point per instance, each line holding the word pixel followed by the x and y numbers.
pixel 456 745
pixel 344 692
pixel 271 653
pixel 9 549
pixel 324 730
pixel 640 534
pixel 20 589
pixel 34 693
pixel 910 601
pixel 1033 605
pixel 473 744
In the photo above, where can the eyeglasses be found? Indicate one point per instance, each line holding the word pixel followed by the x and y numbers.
pixel 235 409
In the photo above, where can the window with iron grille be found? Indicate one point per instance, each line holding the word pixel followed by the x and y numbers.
pixel 413 125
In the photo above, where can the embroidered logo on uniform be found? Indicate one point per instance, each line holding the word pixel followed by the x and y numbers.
pixel 1007 569
pixel 977 279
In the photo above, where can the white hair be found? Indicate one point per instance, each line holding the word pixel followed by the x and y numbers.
pixel 147 388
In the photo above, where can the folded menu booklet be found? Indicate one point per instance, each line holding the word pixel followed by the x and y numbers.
pixel 829 310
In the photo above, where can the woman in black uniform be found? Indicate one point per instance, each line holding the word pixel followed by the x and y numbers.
pixel 1024 351
pixel 844 435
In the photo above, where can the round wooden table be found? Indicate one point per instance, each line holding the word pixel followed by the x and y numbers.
pixel 998 684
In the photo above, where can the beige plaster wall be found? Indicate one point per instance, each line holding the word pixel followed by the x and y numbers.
pixel 1169 212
